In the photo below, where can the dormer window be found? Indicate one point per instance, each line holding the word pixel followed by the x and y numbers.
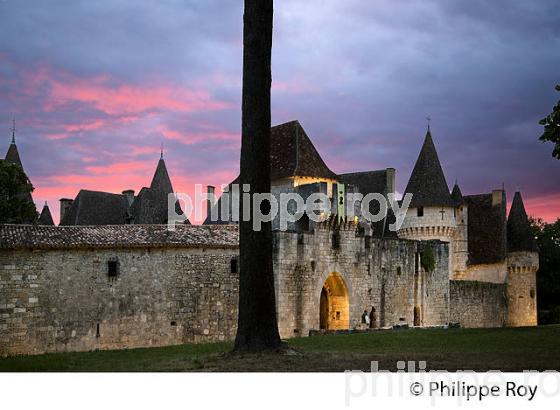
pixel 420 211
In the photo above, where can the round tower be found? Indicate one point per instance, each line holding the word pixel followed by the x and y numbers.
pixel 522 266
pixel 432 210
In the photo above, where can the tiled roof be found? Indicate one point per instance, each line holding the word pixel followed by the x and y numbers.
pixel 427 182
pixel 96 208
pixel 519 236
pixel 117 236
pixel 293 154
pixel 486 226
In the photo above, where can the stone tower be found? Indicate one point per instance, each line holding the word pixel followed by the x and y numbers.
pixel 431 214
pixel 522 266
pixel 460 249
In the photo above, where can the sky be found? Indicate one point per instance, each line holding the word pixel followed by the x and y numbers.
pixel 97 87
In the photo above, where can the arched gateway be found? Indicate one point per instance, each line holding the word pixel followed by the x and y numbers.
pixel 334 310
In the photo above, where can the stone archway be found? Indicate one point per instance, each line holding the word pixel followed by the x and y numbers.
pixel 334 306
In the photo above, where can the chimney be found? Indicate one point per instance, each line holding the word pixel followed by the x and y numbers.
pixel 65 204
pixel 129 194
pixel 210 191
pixel 497 196
pixel 390 181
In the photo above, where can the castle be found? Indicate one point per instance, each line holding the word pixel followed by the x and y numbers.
pixel 113 276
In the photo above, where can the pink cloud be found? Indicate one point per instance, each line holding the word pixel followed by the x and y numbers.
pixel 128 99
pixel 545 207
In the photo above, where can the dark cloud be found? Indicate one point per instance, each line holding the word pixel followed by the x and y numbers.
pixel 361 76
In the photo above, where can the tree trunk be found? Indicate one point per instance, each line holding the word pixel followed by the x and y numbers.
pixel 257 327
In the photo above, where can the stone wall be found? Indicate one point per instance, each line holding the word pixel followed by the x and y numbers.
pixel 522 288
pixel 486 272
pixel 478 304
pixel 383 273
pixel 64 300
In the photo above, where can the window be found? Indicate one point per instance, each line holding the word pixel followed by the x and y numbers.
pixel 420 211
pixel 336 240
pixel 399 270
pixel 302 224
pixel 233 265
pixel 113 268
pixel 532 293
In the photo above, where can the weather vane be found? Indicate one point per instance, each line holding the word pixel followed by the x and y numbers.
pixel 162 150
pixel 428 118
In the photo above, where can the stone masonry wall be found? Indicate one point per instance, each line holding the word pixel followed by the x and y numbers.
pixel 522 288
pixel 65 301
pixel 478 304
pixel 377 272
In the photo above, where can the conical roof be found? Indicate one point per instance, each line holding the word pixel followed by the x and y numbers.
pixel 427 181
pixel 12 156
pixel 519 235
pixel 457 195
pixel 46 217
pixel 161 181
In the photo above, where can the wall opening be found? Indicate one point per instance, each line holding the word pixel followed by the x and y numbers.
pixel 416 315
pixel 113 268
pixel 334 306
pixel 233 265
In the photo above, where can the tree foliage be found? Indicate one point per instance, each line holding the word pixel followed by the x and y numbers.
pixel 15 191
pixel 547 236
pixel 551 124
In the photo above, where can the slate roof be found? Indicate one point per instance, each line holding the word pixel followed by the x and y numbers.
pixel 12 156
pixel 427 182
pixel 487 231
pixel 117 236
pixel 46 218
pixel 293 154
pixel 161 181
pixel 519 235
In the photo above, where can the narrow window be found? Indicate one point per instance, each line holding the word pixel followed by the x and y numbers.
pixel 97 332
pixel 233 265
pixel 532 293
pixel 420 211
pixel 113 269
pixel 336 240
pixel 302 224
pixel 337 315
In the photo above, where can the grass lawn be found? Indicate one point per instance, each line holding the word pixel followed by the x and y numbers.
pixel 507 349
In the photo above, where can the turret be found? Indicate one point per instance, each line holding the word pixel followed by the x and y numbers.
pixel 431 211
pixel 12 157
pixel 522 265
pixel 460 251
pixel 46 217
